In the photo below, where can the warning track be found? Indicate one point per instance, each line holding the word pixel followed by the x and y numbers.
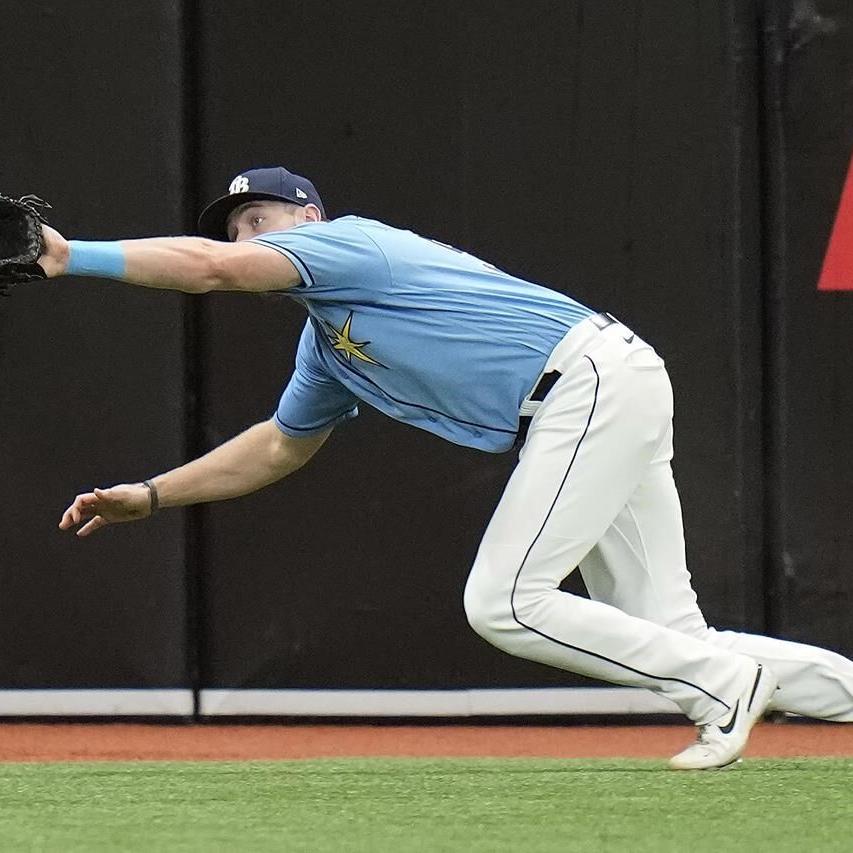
pixel 128 742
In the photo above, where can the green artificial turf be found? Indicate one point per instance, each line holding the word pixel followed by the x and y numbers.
pixel 468 805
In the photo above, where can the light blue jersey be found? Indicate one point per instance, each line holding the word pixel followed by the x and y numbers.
pixel 427 334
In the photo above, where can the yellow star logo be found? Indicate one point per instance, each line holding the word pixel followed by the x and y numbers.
pixel 341 341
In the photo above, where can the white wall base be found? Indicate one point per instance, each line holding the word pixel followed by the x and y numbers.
pixel 98 703
pixel 335 703
pixel 434 703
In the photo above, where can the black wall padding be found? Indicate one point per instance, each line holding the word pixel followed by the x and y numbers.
pixel 91 373
pixel 810 356
pixel 676 164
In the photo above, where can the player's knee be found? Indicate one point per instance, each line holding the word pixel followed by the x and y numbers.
pixel 476 612
pixel 486 612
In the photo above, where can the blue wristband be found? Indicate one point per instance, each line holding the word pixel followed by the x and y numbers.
pixel 102 259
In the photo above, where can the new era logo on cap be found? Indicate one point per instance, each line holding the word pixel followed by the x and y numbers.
pixel 300 193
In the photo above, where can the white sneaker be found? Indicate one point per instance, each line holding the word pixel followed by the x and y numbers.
pixel 721 743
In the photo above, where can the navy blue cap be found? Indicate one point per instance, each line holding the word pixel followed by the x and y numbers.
pixel 272 184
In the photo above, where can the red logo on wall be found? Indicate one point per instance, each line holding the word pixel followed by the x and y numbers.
pixel 837 272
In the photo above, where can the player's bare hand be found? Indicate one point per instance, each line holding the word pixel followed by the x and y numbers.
pixel 54 256
pixel 97 509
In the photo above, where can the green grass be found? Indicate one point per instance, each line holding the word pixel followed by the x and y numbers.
pixel 427 805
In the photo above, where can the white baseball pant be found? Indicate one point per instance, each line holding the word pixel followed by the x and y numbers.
pixel 594 488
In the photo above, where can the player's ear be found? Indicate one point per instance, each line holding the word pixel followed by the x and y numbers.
pixel 312 213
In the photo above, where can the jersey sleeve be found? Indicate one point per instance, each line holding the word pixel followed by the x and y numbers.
pixel 328 255
pixel 312 401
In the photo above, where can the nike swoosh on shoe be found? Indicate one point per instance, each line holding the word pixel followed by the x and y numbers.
pixel 727 728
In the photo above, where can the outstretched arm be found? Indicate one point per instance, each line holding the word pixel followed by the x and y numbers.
pixel 255 458
pixel 190 264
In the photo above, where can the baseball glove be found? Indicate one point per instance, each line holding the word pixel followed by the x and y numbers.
pixel 20 240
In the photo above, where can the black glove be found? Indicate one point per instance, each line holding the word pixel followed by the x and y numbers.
pixel 20 240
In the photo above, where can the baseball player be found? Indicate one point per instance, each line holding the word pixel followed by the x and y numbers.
pixel 391 317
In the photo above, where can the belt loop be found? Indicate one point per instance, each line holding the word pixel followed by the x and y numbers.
pixel 602 320
pixel 530 404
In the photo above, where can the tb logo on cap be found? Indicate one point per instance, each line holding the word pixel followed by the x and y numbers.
pixel 240 184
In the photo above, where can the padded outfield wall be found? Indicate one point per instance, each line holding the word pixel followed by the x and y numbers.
pixel 678 165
